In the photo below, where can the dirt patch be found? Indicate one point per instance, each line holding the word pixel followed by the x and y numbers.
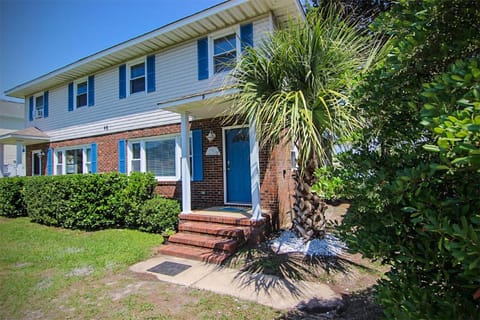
pixel 129 295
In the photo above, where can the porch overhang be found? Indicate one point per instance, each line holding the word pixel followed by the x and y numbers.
pixel 202 105
pixel 26 137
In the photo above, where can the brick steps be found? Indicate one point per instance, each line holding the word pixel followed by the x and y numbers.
pixel 214 229
pixel 204 241
pixel 195 253
pixel 217 219
pixel 209 238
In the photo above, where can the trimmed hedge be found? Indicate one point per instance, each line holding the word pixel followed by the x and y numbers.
pixel 11 197
pixel 159 215
pixel 89 202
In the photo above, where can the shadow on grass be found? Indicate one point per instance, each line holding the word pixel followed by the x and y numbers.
pixel 268 269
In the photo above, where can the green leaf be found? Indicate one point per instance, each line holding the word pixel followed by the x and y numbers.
pixel 456 77
pixel 473 127
pixel 431 148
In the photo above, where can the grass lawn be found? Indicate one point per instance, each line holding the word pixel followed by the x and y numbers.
pixel 51 273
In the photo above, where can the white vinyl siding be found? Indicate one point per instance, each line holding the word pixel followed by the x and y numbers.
pixel 176 77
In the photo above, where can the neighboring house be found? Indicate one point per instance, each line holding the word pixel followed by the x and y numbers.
pixel 154 103
pixel 11 119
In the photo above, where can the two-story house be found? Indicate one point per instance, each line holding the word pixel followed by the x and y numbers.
pixel 154 104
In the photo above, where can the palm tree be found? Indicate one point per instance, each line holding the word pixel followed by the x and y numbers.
pixel 294 87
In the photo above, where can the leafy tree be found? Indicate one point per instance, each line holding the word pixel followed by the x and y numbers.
pixel 294 87
pixel 364 11
pixel 417 173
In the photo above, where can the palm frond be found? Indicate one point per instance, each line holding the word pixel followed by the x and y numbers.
pixel 296 84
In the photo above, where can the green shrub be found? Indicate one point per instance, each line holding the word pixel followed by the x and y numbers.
pixel 417 162
pixel 11 197
pixel 328 185
pixel 158 215
pixel 87 202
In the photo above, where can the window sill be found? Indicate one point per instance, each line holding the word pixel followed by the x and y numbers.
pixel 167 179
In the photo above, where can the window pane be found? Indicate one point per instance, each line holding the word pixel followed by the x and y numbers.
pixel 88 152
pixel 81 100
pixel 137 70
pixel 224 62
pixel 74 161
pixel 81 88
pixel 136 165
pixel 137 85
pixel 59 156
pixel 161 157
pixel 39 101
pixel 136 150
pixel 224 44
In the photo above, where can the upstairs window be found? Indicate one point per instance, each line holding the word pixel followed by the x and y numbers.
pixel 82 89
pixel 224 53
pixel 39 106
pixel 81 93
pixel 137 78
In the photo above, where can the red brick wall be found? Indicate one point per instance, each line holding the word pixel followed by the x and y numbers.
pixel 274 166
pixel 277 184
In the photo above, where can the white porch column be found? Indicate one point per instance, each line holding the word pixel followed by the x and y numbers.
pixel 20 148
pixel 255 173
pixel 186 176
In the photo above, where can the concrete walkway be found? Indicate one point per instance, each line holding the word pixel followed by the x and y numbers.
pixel 264 289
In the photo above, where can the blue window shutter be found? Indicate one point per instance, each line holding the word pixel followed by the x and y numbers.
pixel 30 109
pixel 202 53
pixel 91 91
pixel 45 104
pixel 49 162
pixel 151 73
pixel 246 35
pixel 122 83
pixel 122 164
pixel 70 96
pixel 197 155
pixel 93 149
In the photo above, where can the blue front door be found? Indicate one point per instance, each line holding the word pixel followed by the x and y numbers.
pixel 238 166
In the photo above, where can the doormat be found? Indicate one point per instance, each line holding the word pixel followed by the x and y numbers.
pixel 169 268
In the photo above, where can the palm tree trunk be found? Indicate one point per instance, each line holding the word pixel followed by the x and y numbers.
pixel 309 221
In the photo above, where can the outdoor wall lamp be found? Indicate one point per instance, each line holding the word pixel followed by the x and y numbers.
pixel 211 136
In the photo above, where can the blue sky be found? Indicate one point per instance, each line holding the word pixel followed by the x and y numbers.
pixel 39 36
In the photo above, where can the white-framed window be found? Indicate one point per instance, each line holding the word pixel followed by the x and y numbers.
pixel 73 160
pixel 81 93
pixel 158 155
pixel 224 48
pixel 39 101
pixel 137 76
